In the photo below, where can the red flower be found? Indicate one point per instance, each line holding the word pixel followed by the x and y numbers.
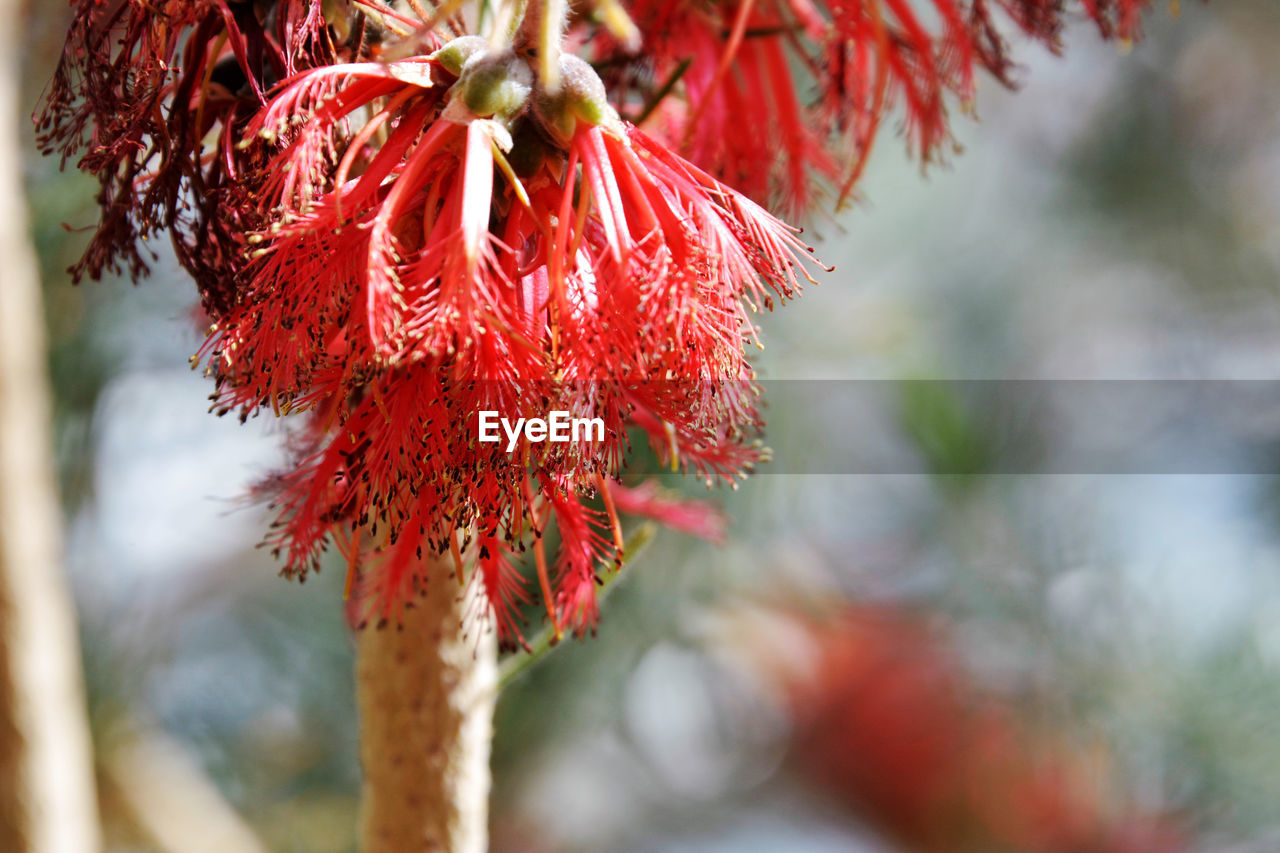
pixel 888 722
pixel 450 238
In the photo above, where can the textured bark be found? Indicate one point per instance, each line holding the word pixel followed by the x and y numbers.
pixel 47 802
pixel 426 696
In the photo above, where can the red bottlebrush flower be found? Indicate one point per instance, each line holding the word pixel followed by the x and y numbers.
pixel 505 587
pixel 448 239
pixel 583 545
pixel 878 53
pixel 881 52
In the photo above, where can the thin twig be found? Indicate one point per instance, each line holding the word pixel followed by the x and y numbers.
pixel 544 641
pixel 662 93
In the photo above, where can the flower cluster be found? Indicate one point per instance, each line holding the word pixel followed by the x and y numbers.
pixel 480 243
pixel 395 226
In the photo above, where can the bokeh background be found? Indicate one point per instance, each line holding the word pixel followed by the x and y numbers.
pixel 977 661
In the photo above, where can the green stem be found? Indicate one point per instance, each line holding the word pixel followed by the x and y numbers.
pixel 544 641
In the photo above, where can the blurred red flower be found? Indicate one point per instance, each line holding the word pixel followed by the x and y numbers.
pixel 887 721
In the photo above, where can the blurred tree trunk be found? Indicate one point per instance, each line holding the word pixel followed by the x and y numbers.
pixel 46 784
pixel 166 795
pixel 426 694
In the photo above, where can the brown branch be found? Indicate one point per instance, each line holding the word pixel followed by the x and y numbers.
pixel 426 693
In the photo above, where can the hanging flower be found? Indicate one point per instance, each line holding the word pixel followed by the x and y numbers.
pixel 451 237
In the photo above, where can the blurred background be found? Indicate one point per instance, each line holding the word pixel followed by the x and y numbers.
pixel 965 661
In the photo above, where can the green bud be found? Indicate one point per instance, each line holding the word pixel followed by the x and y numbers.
pixel 454 56
pixel 580 97
pixel 585 90
pixel 495 85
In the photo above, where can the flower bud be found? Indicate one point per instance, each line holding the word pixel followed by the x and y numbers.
pixel 495 85
pixel 581 97
pixel 453 56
